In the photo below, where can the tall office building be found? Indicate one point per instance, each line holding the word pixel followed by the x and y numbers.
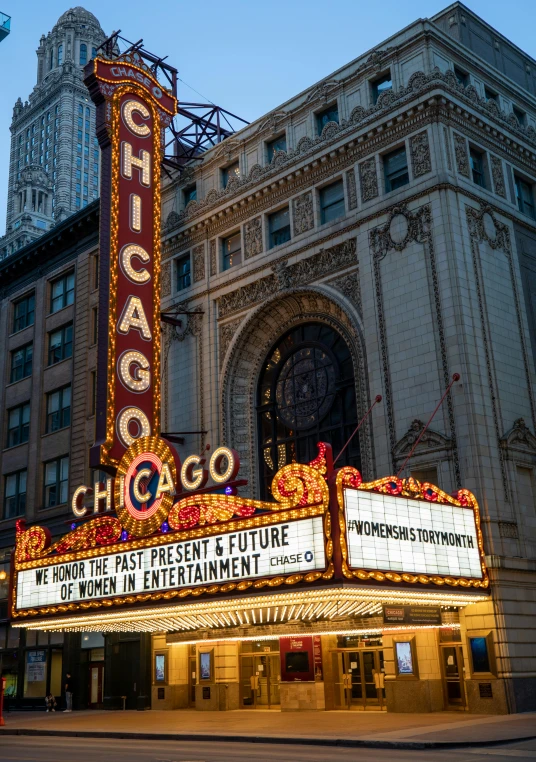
pixel 54 158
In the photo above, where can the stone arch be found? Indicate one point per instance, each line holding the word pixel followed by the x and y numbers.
pixel 249 347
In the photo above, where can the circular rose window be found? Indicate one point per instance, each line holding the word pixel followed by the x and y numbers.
pixel 305 388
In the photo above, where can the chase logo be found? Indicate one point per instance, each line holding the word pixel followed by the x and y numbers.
pixel 293 558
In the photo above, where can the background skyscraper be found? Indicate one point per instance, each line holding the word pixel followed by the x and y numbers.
pixel 54 158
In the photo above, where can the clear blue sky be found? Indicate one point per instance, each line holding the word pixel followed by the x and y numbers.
pixel 245 55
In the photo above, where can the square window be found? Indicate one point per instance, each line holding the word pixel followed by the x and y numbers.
pixel 230 172
pixel 183 272
pixel 476 159
pixel 56 482
pixel 60 344
pixel 15 494
pixel 490 95
pixel 395 168
pixel 21 363
pixel 189 194
pixel 381 85
pixel 279 227
pixel 232 251
pixel 278 144
pixel 525 197
pixel 58 409
pixel 23 312
pixel 18 425
pixel 332 202
pixel 330 114
pixel 461 76
pixel 62 292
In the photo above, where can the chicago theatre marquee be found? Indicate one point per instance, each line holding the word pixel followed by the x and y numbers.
pixel 333 594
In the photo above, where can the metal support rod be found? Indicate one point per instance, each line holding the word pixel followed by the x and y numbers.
pixel 455 377
pixel 378 399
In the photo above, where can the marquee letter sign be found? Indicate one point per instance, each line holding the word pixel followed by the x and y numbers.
pixel 133 111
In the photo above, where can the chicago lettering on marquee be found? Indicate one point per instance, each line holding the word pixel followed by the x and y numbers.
pixel 133 111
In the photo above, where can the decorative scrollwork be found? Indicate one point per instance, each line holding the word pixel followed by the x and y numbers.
pixel 35 542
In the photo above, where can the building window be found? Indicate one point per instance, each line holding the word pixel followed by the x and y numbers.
pixel 461 76
pixel 58 409
pixel 231 251
pixel 477 167
pixel 490 95
pixel 525 197
pixel 395 168
pixel 21 363
pixel 184 279
pixel 278 144
pixel 83 55
pixel 15 494
pixel 24 312
pixel 306 394
pixel 228 173
pixel 279 227
pixel 332 202
pixel 62 292
pixel 381 85
pixel 94 325
pixel 519 115
pixel 60 55
pixel 56 482
pixel 190 194
pixel 330 114
pixel 60 344
pixel 18 425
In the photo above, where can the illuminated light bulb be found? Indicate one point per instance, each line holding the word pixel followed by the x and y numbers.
pixel 124 419
pixel 233 464
pixel 135 212
pixel 127 253
pixel 143 163
pixel 193 478
pixel 133 316
pixel 140 381
pixel 130 107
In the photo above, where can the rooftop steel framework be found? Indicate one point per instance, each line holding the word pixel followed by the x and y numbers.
pixel 197 126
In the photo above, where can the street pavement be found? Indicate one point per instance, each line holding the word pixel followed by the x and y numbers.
pixel 51 749
pixel 327 728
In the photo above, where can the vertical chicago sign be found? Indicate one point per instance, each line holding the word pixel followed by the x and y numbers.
pixel 133 111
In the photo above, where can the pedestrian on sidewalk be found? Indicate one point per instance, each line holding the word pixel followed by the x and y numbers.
pixel 69 690
pixel 50 702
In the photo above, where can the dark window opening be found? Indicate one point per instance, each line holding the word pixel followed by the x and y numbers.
pixel 330 114
pixel 230 172
pixel 279 144
pixel 183 272
pixel 395 166
pixel 332 202
pixel 381 85
pixel 461 76
pixel 279 227
pixel 525 197
pixel 477 167
pixel 231 251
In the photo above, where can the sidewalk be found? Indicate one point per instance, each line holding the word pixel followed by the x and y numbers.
pixel 379 729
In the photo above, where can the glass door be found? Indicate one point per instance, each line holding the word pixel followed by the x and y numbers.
pixel 452 668
pixel 96 681
pixel 356 679
pixel 260 678
pixel 192 661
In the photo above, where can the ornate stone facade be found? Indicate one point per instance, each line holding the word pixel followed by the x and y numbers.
pixel 302 213
pixel 368 179
pixel 421 161
pixel 253 237
pixel 351 189
pixel 497 176
pixel 461 154
pixel 198 256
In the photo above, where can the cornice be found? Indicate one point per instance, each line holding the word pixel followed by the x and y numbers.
pixel 420 86
pixel 268 265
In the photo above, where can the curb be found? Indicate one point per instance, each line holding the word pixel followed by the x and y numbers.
pixel 282 740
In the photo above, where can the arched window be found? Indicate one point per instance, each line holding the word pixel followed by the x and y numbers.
pixel 83 54
pixel 306 394
pixel 60 55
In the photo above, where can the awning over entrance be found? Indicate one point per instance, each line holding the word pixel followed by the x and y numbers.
pixel 328 610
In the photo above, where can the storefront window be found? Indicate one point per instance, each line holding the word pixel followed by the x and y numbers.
pixel 35 674
pixel 252 646
pixel 92 640
pixel 480 654
pixel 56 662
